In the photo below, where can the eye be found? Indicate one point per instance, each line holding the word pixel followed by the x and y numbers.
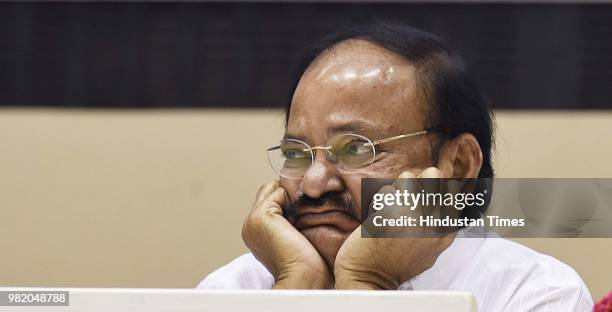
pixel 356 147
pixel 294 154
pixel 295 158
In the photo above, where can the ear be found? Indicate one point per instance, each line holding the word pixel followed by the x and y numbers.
pixel 460 157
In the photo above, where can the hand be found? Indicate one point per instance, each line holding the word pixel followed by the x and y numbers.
pixel 287 254
pixel 386 263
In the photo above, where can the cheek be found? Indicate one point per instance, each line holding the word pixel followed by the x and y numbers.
pixel 388 168
pixel 291 186
pixel 396 163
pixel 353 187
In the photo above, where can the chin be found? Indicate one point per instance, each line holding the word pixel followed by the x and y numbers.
pixel 327 240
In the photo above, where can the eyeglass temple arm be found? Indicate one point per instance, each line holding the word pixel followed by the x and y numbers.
pixel 377 142
pixel 403 136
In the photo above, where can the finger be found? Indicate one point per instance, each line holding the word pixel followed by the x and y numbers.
pixel 454 186
pixel 386 189
pixel 437 183
pixel 432 179
pixel 451 186
pixel 432 173
pixel 407 175
pixel 381 193
pixel 265 191
pixel 395 207
pixel 280 198
pixel 406 181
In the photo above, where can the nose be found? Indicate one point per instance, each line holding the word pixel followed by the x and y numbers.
pixel 321 177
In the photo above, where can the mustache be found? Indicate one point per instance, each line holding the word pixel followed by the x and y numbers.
pixel 338 200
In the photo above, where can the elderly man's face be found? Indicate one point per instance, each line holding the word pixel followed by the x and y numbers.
pixel 357 87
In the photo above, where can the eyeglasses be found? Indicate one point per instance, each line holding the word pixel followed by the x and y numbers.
pixel 347 151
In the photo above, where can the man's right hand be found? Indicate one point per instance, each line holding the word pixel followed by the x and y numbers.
pixel 288 255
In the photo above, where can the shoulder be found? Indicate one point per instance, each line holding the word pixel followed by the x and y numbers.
pixel 506 255
pixel 244 272
pixel 536 281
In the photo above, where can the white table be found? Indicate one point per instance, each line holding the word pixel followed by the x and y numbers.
pixel 183 300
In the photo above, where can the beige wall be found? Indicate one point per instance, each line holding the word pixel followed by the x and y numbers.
pixel 156 198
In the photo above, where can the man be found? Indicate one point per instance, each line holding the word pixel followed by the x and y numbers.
pixel 371 85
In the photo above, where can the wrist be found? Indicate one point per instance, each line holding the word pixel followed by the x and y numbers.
pixel 363 279
pixel 303 278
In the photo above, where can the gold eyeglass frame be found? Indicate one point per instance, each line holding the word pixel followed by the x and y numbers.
pixel 369 143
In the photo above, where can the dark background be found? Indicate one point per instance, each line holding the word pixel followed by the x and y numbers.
pixel 182 54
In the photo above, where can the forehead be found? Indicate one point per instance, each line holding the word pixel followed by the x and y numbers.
pixel 357 83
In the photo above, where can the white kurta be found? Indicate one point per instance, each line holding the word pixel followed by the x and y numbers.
pixel 502 275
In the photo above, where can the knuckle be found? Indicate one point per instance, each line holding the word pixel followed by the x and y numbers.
pixel 432 172
pixel 387 189
pixel 406 175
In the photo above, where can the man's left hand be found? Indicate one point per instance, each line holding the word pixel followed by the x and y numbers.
pixel 386 263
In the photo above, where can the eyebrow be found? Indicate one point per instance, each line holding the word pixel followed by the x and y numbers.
pixel 354 126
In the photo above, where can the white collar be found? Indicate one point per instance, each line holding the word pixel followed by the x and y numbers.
pixel 461 251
